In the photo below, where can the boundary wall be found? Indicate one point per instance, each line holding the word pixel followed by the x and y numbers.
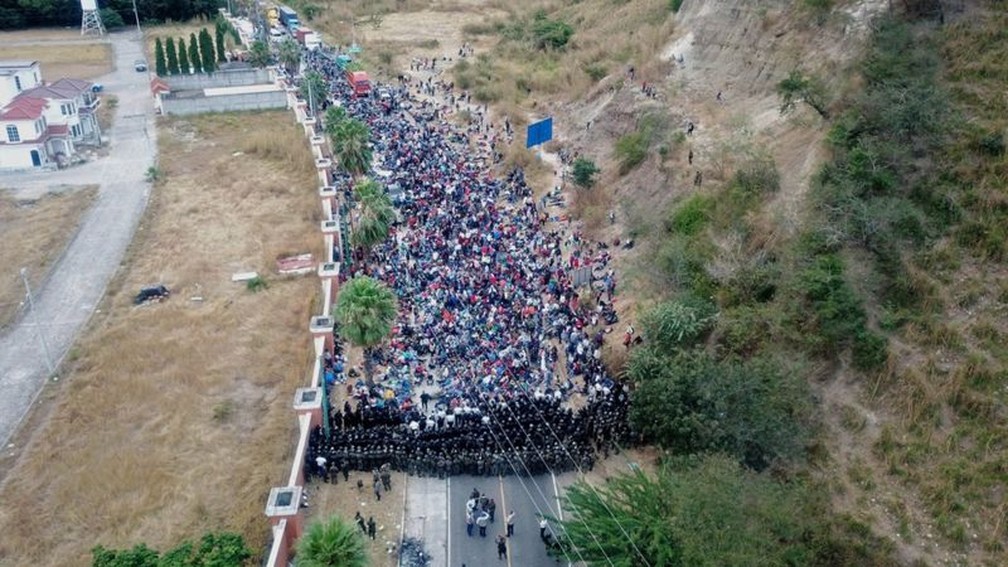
pixel 283 507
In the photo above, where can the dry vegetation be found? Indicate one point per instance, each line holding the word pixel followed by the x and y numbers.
pixel 916 452
pixel 75 60
pixel 174 418
pixel 33 234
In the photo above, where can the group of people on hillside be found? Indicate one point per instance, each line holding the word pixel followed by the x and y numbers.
pixel 493 338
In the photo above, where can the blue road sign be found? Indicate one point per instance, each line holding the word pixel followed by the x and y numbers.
pixel 539 133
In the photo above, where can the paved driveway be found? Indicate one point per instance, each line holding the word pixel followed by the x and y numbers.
pixel 79 278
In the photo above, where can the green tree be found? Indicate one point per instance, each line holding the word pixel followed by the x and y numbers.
pixel 194 54
pixel 219 31
pixel 693 513
pixel 314 89
pixel 798 87
pixel 259 54
pixel 350 146
pixel 223 549
pixel 160 67
pixel 672 325
pixel 375 215
pixel 332 543
pixel 206 46
pixel 111 19
pixel 289 54
pixel 584 172
pixel 366 309
pixel 334 116
pixel 550 34
pixel 172 57
pixel 183 58
pixel 757 411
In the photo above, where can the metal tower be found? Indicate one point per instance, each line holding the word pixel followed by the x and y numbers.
pixel 90 18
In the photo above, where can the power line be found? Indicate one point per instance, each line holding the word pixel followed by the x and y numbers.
pixel 581 472
pixel 490 418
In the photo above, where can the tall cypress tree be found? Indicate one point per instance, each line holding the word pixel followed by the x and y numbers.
pixel 160 67
pixel 183 57
pixel 219 36
pixel 194 56
pixel 206 48
pixel 172 55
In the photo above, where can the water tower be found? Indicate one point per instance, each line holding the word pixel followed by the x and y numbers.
pixel 90 18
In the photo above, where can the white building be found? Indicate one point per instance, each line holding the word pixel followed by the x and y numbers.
pixel 40 124
pixel 17 76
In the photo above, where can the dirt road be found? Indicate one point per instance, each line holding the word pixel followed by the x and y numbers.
pixel 79 278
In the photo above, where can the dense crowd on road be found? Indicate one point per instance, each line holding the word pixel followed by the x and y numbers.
pixel 493 339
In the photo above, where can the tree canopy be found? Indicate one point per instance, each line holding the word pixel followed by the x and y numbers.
pixel 332 543
pixel 350 146
pixel 15 14
pixel 366 309
pixel 223 549
pixel 696 513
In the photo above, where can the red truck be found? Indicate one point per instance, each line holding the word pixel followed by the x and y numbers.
pixel 359 82
pixel 307 38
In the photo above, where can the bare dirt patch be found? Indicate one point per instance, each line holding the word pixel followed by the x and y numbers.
pixel 33 234
pixel 345 499
pixel 58 60
pixel 174 418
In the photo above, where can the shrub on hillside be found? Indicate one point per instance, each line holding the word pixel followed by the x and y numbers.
pixel 584 171
pixel 631 150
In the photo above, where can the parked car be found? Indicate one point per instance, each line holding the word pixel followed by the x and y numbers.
pixel 140 65
pixel 97 87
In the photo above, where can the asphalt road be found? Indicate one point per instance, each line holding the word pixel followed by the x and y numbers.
pixel 77 281
pixel 435 512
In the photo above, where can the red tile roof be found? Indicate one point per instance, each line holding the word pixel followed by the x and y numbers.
pixel 76 86
pixel 23 108
pixel 50 92
pixel 157 85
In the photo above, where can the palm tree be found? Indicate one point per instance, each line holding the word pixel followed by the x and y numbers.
pixel 350 146
pixel 366 310
pixel 375 216
pixel 334 543
pixel 290 55
pixel 334 116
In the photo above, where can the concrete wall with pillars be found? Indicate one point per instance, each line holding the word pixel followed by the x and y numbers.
pixel 287 528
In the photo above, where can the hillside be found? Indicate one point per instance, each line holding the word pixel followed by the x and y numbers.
pixel 858 246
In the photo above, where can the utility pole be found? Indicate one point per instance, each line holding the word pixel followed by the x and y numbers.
pixel 38 324
pixel 137 16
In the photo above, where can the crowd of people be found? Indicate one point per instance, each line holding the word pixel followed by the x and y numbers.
pixel 493 339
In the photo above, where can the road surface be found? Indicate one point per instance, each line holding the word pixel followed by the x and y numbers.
pixel 78 280
pixel 435 513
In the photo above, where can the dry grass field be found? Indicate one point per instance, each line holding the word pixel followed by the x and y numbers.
pixel 174 418
pixel 33 233
pixel 76 60
pixel 177 30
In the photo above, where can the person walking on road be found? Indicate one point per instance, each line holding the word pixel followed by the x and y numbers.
pixel 501 547
pixel 510 523
pixel 371 527
pixel 543 524
pixel 469 523
pixel 482 523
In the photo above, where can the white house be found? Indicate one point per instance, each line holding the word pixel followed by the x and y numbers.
pixel 27 140
pixel 41 124
pixel 18 76
pixel 71 104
